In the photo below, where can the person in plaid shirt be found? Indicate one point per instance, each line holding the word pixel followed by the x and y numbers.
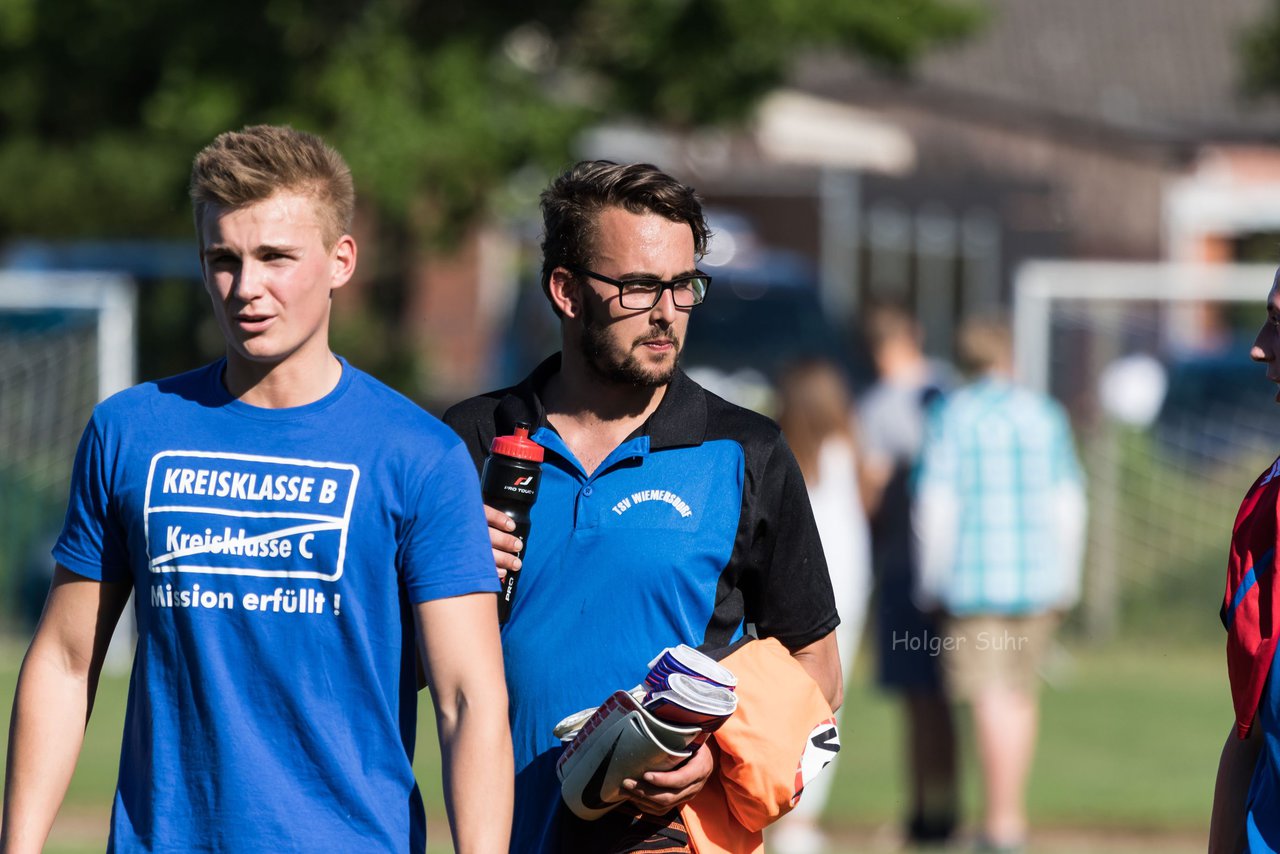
pixel 1000 513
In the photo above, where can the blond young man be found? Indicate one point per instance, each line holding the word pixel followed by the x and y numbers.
pixel 282 565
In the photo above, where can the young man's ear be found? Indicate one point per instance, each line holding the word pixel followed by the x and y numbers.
pixel 343 258
pixel 565 293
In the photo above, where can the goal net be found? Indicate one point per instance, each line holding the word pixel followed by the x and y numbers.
pixel 1173 422
pixel 66 342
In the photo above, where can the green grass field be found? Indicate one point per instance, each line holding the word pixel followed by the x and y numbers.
pixel 1128 749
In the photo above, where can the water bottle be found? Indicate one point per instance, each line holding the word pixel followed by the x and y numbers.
pixel 509 483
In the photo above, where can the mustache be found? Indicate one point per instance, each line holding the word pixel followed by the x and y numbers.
pixel 652 336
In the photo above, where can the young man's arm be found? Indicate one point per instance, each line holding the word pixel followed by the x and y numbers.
pixel 821 660
pixel 52 703
pixel 1235 771
pixel 936 513
pixel 462 657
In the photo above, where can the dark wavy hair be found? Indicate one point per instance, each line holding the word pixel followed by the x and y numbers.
pixel 571 204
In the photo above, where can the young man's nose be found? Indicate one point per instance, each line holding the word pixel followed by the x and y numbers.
pixel 666 306
pixel 249 282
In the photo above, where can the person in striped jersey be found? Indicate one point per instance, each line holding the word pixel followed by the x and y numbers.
pixel 1000 513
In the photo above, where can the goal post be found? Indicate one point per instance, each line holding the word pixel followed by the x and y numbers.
pixel 66 343
pixel 1040 283
pixel 1163 484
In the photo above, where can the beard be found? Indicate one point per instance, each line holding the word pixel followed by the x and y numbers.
pixel 596 349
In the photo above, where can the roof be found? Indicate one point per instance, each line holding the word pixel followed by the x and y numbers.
pixel 1154 68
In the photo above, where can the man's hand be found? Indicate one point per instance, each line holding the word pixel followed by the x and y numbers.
pixel 505 545
pixel 659 792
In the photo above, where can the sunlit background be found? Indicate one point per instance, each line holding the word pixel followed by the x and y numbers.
pixel 1105 172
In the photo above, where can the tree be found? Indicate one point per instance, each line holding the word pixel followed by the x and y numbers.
pixel 1261 65
pixel 103 104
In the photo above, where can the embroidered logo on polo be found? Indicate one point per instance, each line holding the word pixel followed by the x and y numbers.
pixel 646 495
pixel 239 514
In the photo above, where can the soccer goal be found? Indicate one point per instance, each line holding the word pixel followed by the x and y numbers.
pixel 1173 422
pixel 66 342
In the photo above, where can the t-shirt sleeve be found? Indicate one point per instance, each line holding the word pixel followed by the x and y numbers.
pixel 92 542
pixel 936 510
pixel 793 600
pixel 445 550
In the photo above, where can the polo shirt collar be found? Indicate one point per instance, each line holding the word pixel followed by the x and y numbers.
pixel 679 421
pixel 681 418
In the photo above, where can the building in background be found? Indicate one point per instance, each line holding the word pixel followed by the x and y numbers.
pixel 1060 130
pixel 1089 129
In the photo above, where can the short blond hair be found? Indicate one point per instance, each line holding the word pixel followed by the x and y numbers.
pixel 985 343
pixel 246 166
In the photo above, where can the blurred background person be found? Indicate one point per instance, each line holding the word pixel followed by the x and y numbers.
pixel 817 418
pixel 1000 512
pixel 892 424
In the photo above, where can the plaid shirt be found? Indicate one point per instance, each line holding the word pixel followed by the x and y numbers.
pixel 1000 503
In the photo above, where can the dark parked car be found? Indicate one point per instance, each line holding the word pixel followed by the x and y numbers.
pixel 1218 406
pixel 761 315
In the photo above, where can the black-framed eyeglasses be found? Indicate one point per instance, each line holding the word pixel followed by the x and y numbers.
pixel 641 294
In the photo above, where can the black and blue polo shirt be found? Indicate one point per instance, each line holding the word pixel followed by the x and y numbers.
pixel 695 527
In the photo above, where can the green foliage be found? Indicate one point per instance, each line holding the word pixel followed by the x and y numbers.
pixel 1174 517
pixel 436 106
pixel 1113 721
pixel 1261 63
pixel 685 63
pixel 103 104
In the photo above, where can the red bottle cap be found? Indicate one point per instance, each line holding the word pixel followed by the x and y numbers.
pixel 519 446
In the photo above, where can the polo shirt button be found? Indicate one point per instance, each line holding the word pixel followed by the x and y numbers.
pixel 586 490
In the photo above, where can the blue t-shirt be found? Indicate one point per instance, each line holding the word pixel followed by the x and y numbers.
pixel 687 532
pixel 274 555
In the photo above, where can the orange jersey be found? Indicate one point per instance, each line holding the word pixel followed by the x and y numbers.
pixel 781 736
